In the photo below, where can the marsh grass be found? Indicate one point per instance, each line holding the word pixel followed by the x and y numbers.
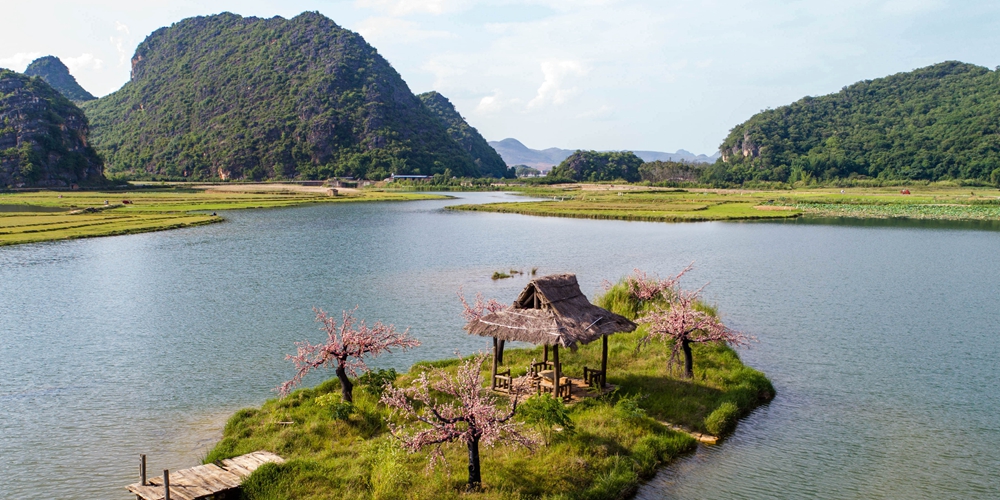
pixel 616 440
pixel 926 201
pixel 150 209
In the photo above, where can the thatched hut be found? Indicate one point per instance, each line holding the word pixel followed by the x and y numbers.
pixel 551 311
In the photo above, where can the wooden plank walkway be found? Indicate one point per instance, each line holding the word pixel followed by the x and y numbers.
pixel 204 480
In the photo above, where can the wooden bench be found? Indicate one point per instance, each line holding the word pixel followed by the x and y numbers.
pixel 594 378
pixel 502 381
pixel 564 389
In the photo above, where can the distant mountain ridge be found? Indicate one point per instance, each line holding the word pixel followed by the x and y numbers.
pixel 55 73
pixel 232 97
pixel 514 152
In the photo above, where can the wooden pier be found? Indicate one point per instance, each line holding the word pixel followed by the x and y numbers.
pixel 209 481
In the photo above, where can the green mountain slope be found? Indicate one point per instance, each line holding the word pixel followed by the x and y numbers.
pixel 56 74
pixel 487 159
pixel 938 122
pixel 599 166
pixel 43 136
pixel 225 97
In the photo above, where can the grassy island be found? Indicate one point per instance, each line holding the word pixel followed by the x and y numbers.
pixel 31 217
pixel 616 440
pixel 642 203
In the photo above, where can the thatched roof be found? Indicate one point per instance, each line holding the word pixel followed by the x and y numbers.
pixel 551 310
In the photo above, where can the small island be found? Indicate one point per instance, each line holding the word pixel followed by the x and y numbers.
pixel 657 394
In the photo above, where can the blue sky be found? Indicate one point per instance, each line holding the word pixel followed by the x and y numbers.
pixel 594 74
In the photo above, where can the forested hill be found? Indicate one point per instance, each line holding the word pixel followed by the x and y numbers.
pixel 43 137
pixel 489 162
pixel 56 74
pixel 938 122
pixel 225 97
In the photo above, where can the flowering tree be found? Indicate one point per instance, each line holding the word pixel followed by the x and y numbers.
pixel 684 323
pixel 346 347
pixel 647 289
pixel 481 307
pixel 472 414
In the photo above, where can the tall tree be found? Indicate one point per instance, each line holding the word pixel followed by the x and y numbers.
pixel 465 412
pixel 346 347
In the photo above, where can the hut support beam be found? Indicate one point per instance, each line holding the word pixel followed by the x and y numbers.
pixel 493 379
pixel 604 361
pixel 545 356
pixel 500 352
pixel 556 371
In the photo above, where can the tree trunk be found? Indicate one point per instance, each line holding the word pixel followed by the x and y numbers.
pixel 475 480
pixel 346 387
pixel 500 352
pixel 688 361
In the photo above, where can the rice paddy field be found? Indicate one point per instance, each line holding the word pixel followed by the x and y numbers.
pixel 31 217
pixel 639 203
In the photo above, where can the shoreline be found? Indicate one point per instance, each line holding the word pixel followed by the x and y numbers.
pixel 67 215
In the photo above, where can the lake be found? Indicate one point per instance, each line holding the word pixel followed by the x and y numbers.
pixel 882 339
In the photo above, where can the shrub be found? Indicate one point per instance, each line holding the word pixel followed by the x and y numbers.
pixel 374 382
pixel 339 410
pixel 545 412
pixel 723 419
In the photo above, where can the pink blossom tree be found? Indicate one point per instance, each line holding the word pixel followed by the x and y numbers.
pixel 683 322
pixel 647 289
pixel 469 413
pixel 481 307
pixel 346 347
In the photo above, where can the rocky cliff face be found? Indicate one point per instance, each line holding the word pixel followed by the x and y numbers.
pixel 43 137
pixel 56 74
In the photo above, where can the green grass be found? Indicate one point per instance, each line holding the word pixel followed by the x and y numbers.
pixel 152 209
pixel 616 442
pixel 637 203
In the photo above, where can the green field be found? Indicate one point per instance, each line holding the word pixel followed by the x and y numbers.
pixel 31 217
pixel 637 203
pixel 618 439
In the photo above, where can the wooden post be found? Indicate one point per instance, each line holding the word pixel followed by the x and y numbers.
pixel 142 470
pixel 604 361
pixel 166 484
pixel 493 379
pixel 556 370
pixel 500 352
pixel 545 357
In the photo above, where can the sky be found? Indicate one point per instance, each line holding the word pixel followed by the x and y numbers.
pixel 590 74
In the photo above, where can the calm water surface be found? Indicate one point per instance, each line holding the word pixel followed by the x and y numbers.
pixel 882 340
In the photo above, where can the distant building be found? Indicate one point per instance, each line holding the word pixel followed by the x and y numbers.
pixel 394 177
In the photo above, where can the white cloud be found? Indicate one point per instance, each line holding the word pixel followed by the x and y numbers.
pixel 19 61
pixel 83 62
pixel 495 103
pixel 123 43
pixel 406 7
pixel 555 87
pixel 390 29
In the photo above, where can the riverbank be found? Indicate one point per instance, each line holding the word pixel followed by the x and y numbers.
pixel 640 203
pixel 31 217
pixel 616 442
